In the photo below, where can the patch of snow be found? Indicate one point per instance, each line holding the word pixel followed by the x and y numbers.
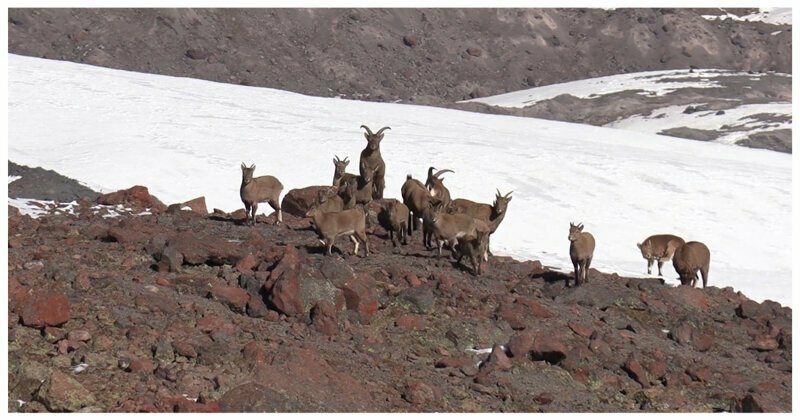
pixel 772 15
pixel 183 138
pixel 80 367
pixel 12 178
pixel 653 83
pixel 31 207
pixel 186 208
pixel 775 33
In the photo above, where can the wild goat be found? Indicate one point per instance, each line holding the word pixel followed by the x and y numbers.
pixel 475 249
pixel 581 250
pixel 258 190
pixel 659 248
pixel 688 259
pixel 360 189
pixel 330 203
pixel 393 217
pixel 371 167
pixel 448 228
pixel 417 198
pixel 339 174
pixel 347 222
pixel 439 192
pixel 492 215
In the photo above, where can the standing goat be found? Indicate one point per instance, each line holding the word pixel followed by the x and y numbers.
pixel 393 217
pixel 690 258
pixel 659 248
pixel 258 190
pixel 347 222
pixel 371 167
pixel 475 249
pixel 331 203
pixel 448 228
pixel 339 175
pixel 418 199
pixel 492 215
pixel 581 251
pixel 435 185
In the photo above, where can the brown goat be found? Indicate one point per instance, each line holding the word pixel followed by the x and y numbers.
pixel 393 217
pixel 371 167
pixel 475 249
pixel 347 222
pixel 258 190
pixel 448 228
pixel 688 259
pixel 417 198
pixel 435 185
pixel 581 251
pixel 659 248
pixel 340 176
pixel 331 203
pixel 493 215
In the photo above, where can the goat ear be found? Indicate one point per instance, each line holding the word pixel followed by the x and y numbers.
pixel 638 245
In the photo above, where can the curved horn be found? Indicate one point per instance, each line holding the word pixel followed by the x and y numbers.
pixel 347 159
pixel 381 130
pixel 337 157
pixel 498 193
pixel 436 175
pixel 506 196
pixel 367 128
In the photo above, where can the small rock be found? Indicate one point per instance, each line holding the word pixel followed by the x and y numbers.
pixel 548 348
pixel 256 308
pixel 234 297
pixel 62 393
pixel 247 263
pixel 410 322
pixel 184 349
pixel 699 373
pixel 763 343
pixel 79 335
pixel 323 318
pixel 419 393
pixel 141 366
pixel 51 309
pixel 498 359
pixel 410 40
pixel 544 398
pixel 636 371
pixel 581 330
pixel 457 362
pixel 475 51
pixel 520 344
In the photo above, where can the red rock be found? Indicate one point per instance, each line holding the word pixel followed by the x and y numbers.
pixel 410 322
pixel 548 347
pixel 763 343
pixel 410 40
pixel 182 405
pixel 520 344
pixel 454 361
pixel 536 308
pixel 254 353
pixel 247 263
pixel 702 342
pixel 64 346
pixel 197 205
pixel 141 366
pixel 419 393
pixel 412 279
pixel 544 398
pixel 581 330
pixel 256 307
pixel 692 297
pixel 184 349
pixel 535 267
pixel 323 318
pixel 699 373
pixel 657 369
pixel 53 334
pixel 514 314
pixel 163 281
pixel 198 248
pixel 62 393
pixel 52 309
pixel 284 283
pixel 79 335
pixel 498 359
pixel 359 297
pixel 235 298
pixel 135 196
pixel 636 371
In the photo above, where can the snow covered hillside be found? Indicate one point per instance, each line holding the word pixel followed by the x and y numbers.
pixel 185 138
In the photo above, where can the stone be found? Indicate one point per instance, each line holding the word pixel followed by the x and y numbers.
pixel 253 353
pixel 51 309
pixel 498 359
pixel 580 329
pixel 419 393
pixel 359 297
pixel 299 201
pixel 79 335
pixel 410 322
pixel 184 349
pixel 763 343
pixel 62 393
pixel 233 297
pixel 548 347
pixel 136 196
pixel 247 263
pixel 475 51
pixel 145 366
pixel 256 308
pixel 702 342
pixel 636 371
pixel 520 344
pixel 410 40
pixel 699 373
pixel 197 205
pixel 323 318
pixel 454 361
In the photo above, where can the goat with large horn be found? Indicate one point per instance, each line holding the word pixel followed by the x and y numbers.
pixel 371 167
pixel 435 184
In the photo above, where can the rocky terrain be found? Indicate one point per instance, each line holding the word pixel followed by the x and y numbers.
pixel 182 310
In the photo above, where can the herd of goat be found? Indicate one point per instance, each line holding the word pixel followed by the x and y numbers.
pixel 463 225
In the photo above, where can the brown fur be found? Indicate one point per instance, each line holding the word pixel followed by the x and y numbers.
pixel 258 190
pixel 581 251
pixel 371 167
pixel 347 222
pixel 690 258
pixel 659 248
pixel 394 217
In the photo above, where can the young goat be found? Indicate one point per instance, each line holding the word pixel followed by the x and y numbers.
pixel 393 217
pixel 330 203
pixel 448 228
pixel 347 222
pixel 688 259
pixel 258 190
pixel 371 167
pixel 492 215
pixel 435 185
pixel 339 175
pixel 417 198
pixel 475 249
pixel 581 250
pixel 360 189
pixel 659 248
